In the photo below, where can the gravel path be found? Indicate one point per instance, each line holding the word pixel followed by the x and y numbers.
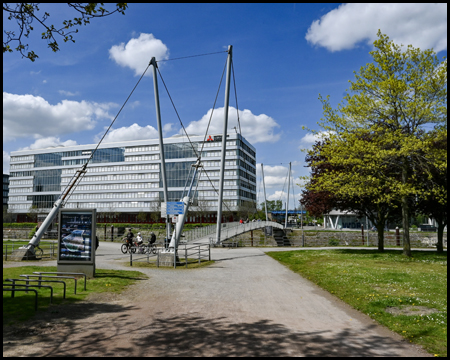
pixel 246 304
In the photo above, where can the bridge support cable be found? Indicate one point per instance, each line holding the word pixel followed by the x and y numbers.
pixel 72 184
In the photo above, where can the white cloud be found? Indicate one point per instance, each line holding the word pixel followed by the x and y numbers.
pixel 167 129
pixel 310 139
pixel 282 195
pixel 28 115
pixel 133 132
pixel 255 128
pixel 6 160
pixel 137 53
pixel 422 25
pixel 68 93
pixel 46 142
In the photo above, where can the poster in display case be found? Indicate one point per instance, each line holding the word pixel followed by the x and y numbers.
pixel 76 236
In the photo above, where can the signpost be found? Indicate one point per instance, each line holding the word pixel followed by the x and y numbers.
pixel 175 208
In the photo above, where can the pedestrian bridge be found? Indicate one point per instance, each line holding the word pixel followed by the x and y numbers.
pixel 207 234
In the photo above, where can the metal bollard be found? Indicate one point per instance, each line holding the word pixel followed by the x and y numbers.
pixel 199 254
pixel 131 258
pixel 6 254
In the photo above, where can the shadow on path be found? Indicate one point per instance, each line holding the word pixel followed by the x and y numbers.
pixel 195 335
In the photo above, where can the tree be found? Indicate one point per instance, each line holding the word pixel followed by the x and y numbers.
pixel 430 205
pixel 319 202
pixel 381 127
pixel 142 216
pixel 272 205
pixel 26 13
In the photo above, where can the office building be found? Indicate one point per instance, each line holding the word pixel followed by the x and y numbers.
pixel 124 178
pixel 5 191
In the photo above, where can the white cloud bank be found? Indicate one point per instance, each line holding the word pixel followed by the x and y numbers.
pixel 421 25
pixel 6 161
pixel 137 53
pixel 28 115
pixel 46 142
pixel 310 139
pixel 133 132
pixel 255 128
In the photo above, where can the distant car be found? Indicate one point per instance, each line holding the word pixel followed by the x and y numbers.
pixel 426 227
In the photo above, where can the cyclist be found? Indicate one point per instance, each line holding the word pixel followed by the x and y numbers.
pixel 152 237
pixel 139 240
pixel 130 237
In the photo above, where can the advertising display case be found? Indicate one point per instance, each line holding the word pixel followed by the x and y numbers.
pixel 77 240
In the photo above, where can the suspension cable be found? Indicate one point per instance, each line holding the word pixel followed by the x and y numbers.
pixel 179 119
pixel 212 112
pixel 235 94
pixel 93 152
pixel 191 56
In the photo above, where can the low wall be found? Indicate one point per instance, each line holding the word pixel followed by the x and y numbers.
pixel 342 238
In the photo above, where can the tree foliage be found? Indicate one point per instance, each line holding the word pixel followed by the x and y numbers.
pixel 378 134
pixel 26 15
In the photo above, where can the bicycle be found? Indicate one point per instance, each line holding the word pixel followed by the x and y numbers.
pixel 38 252
pixel 127 246
pixel 151 248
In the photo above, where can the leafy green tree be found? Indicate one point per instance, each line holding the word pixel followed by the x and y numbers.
pixel 319 202
pixel 436 183
pixel 272 205
pixel 25 15
pixel 381 125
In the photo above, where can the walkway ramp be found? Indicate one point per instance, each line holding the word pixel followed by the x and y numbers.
pixel 207 234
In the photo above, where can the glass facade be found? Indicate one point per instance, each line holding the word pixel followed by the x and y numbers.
pixel 179 151
pixel 47 180
pixel 127 177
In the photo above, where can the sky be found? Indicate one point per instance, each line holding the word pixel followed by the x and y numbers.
pixel 284 56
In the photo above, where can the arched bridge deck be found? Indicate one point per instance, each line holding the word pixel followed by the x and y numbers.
pixel 228 230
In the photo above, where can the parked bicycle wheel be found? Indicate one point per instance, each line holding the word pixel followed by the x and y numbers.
pixel 124 248
pixel 154 249
pixel 38 252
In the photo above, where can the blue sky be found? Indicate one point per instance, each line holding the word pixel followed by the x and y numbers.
pixel 284 55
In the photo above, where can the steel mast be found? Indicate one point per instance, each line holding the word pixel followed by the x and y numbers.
pixel 161 143
pixel 287 202
pixel 264 186
pixel 224 143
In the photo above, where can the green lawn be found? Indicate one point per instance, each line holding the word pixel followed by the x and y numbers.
pixel 21 307
pixel 372 282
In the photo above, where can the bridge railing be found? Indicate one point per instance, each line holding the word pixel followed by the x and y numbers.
pixel 201 232
pixel 232 229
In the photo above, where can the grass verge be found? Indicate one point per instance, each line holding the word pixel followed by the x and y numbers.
pixel 374 282
pixel 21 307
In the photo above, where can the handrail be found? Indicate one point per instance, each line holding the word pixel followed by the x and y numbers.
pixel 40 280
pixel 63 272
pixel 58 277
pixel 35 292
pixel 38 286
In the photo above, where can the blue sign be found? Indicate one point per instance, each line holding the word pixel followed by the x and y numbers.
pixel 175 208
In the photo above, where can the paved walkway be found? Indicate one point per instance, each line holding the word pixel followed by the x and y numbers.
pixel 246 304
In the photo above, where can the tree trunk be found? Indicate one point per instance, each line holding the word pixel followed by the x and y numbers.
pixel 405 224
pixel 405 214
pixel 440 235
